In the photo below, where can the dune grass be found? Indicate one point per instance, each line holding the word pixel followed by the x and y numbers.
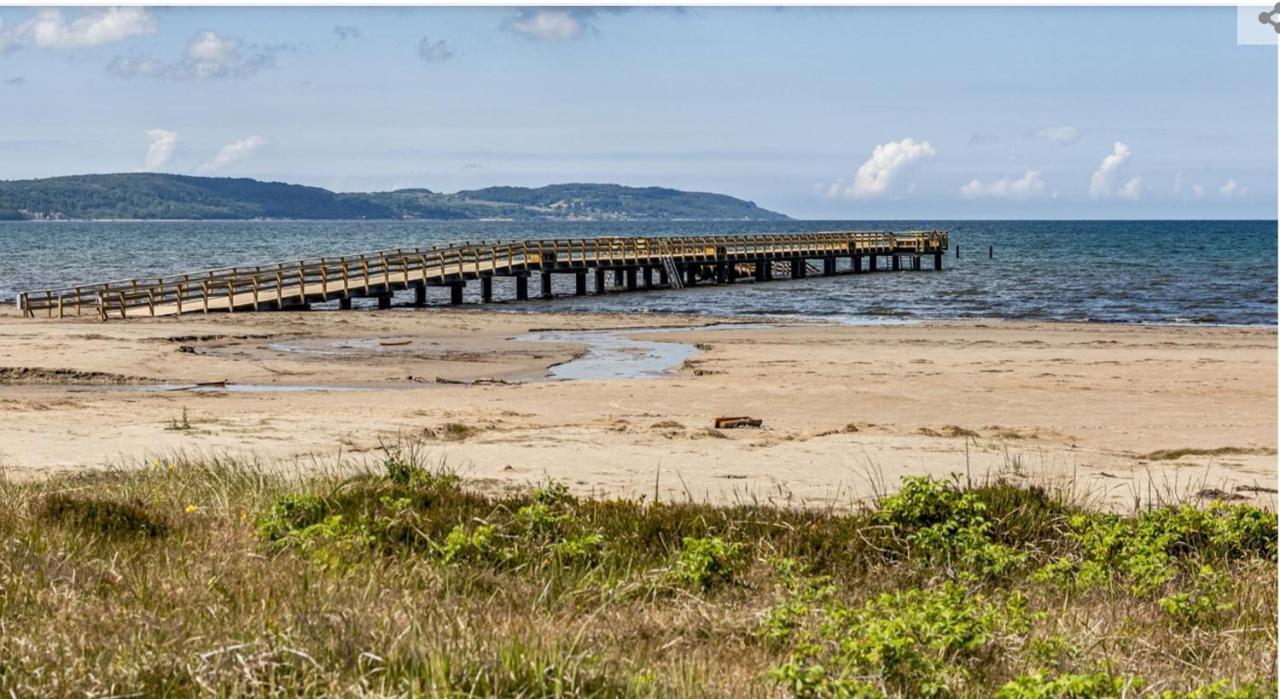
pixel 211 577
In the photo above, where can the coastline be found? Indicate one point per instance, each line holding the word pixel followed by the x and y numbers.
pixel 1119 411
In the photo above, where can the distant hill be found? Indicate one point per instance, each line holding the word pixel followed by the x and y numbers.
pixel 159 196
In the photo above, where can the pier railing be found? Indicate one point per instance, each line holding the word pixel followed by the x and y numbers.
pixel 247 287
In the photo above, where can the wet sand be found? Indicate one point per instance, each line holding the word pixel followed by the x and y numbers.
pixel 1120 412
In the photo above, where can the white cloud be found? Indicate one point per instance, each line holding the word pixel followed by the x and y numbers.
pixel 208 55
pixel 1197 191
pixel 1131 189
pixel 435 52
pixel 876 177
pixel 1061 135
pixel 50 30
pixel 1103 181
pixel 161 148
pixel 233 152
pixel 551 24
pixel 1030 185
pixel 1232 189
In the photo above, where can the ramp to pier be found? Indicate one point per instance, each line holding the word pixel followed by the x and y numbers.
pixel 679 261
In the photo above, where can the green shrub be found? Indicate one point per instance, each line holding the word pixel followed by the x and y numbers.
pixel 289 514
pixel 1142 552
pixel 707 562
pixel 918 643
pixel 475 545
pixel 1096 686
pixel 1204 605
pixel 941 525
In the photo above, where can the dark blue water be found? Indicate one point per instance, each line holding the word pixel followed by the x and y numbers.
pixel 1129 271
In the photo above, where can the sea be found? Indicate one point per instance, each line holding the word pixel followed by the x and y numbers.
pixel 1208 272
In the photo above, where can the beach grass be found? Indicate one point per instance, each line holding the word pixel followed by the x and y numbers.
pixel 209 576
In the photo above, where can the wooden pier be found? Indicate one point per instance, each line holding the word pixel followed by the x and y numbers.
pixel 633 264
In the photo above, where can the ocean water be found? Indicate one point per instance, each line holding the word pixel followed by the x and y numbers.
pixel 1121 271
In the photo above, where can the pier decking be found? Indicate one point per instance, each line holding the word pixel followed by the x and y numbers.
pixel 676 262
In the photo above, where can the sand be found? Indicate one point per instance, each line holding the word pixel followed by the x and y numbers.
pixel 1122 414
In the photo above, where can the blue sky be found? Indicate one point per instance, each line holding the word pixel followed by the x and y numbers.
pixel 995 112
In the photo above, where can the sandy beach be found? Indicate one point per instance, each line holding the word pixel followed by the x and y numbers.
pixel 1124 413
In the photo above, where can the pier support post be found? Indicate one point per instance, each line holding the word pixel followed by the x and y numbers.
pixel 662 277
pixel 648 276
pixel 937 262
pixel 384 300
pixel 344 303
pixel 522 287
pixel 419 294
pixel 761 267
pixel 631 279
pixel 897 263
pixel 580 283
pixel 455 292
pixel 828 266
pixel 486 289
pixel 722 272
pixel 617 277
pixel 915 263
pixel 733 272
pixel 856 262
pixel 546 285
pixel 797 268
pixel 691 275
pixel 871 263
pixel 600 285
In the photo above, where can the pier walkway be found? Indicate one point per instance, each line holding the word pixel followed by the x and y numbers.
pixel 676 262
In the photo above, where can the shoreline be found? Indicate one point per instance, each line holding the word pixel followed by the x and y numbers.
pixel 1112 408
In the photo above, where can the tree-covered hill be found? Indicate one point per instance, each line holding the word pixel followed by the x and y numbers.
pixel 161 196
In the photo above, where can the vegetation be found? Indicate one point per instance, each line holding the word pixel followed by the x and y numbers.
pixel 209 576
pixel 160 196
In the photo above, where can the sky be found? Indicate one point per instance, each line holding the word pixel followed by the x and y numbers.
pixel 839 113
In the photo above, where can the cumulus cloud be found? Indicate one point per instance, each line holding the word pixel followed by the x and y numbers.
pixel 552 23
pixel 233 152
pixel 208 56
pixel 1232 189
pixel 1132 189
pixel 49 29
pixel 1061 135
pixel 161 148
pixel 434 52
pixel 1103 182
pixel 346 31
pixel 877 176
pixel 1029 185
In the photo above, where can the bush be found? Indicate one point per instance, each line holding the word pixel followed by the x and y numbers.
pixel 707 562
pixel 1096 686
pixel 926 643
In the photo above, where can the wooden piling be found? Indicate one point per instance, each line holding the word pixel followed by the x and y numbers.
pixel 600 283
pixel 455 292
pixel 522 287
pixel 486 289
pixel 546 285
pixel 580 283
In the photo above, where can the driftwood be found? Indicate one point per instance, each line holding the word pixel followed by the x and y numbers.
pixel 394 343
pixel 476 382
pixel 202 384
pixel 729 423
